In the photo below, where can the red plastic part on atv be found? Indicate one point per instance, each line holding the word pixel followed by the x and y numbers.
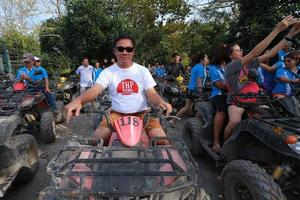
pixel 19 86
pixel 129 130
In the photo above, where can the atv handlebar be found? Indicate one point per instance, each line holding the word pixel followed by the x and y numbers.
pixel 92 109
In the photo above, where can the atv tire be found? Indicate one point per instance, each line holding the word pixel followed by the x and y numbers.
pixel 59 117
pixel 47 127
pixel 191 131
pixel 198 194
pixel 241 178
pixel 26 145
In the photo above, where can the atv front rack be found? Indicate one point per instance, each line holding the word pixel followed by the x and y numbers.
pixel 123 171
pixel 9 102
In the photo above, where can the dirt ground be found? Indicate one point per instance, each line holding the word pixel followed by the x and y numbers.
pixel 208 174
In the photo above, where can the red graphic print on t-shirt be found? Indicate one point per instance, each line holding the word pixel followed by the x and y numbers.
pixel 127 87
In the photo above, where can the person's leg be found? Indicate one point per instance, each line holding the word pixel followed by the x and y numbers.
pixel 217 130
pixel 187 107
pixel 235 116
pixel 154 129
pixel 103 132
pixel 51 100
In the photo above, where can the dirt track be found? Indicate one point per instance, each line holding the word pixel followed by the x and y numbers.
pixel 80 126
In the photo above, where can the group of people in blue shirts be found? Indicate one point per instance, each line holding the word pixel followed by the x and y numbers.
pixel 277 80
pixel 31 73
pixel 273 77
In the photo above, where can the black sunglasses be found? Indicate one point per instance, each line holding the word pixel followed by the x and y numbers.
pixel 128 49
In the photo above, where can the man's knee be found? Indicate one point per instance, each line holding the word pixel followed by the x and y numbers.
pixel 103 133
pixel 158 132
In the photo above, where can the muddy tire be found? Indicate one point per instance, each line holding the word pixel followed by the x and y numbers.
pixel 192 128
pixel 59 117
pixel 48 193
pixel 47 127
pixel 245 180
pixel 26 145
pixel 198 194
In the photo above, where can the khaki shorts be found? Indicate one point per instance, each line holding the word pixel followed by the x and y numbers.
pixel 151 123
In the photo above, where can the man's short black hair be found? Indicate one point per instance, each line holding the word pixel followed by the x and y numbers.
pixel 125 36
pixel 84 59
pixel 174 55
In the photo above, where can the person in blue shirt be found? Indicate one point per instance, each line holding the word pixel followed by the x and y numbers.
pixel 218 96
pixel 281 53
pixel 197 81
pixel 27 71
pixel 33 72
pixel 96 71
pixel 268 75
pixel 42 75
pixel 286 77
pixel 160 71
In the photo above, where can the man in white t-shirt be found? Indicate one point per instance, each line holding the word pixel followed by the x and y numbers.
pixel 86 75
pixel 129 85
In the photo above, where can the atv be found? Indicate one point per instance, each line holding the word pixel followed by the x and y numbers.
pixel 173 91
pixel 35 111
pixel 67 89
pixel 132 166
pixel 19 152
pixel 262 157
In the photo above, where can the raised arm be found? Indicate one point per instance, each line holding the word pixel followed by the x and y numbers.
pixel 294 31
pixel 258 49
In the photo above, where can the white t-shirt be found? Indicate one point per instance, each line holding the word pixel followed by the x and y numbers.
pixel 86 75
pixel 127 87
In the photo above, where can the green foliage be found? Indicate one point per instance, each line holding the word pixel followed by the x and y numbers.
pixel 257 19
pixel 19 43
pixel 90 27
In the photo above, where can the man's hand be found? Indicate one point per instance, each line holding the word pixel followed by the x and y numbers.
pixel 73 107
pixel 166 106
pixel 285 23
pixel 295 30
pixel 24 77
pixel 297 80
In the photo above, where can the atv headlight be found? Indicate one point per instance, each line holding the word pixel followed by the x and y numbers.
pixel 295 147
pixel 27 101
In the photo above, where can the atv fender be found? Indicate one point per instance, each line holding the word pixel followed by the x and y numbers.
pixel 263 132
pixel 8 124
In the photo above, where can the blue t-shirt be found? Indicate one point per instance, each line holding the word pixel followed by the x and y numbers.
pixel 96 73
pixel 25 71
pixel 281 87
pixel 217 73
pixel 160 72
pixel 281 54
pixel 198 71
pixel 41 76
pixel 268 78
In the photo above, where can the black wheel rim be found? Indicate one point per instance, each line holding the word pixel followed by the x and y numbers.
pixel 240 191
